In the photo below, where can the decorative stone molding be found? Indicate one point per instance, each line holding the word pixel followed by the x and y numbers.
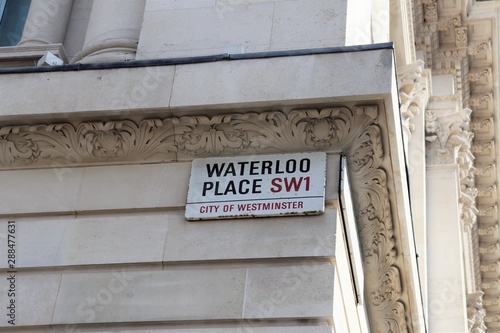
pixel 447 135
pixel 448 142
pixel 489 248
pixel 480 100
pixel 446 23
pixel 461 39
pixel 487 211
pixel 430 11
pixel 479 47
pixel 461 45
pixel 451 53
pixel 485 170
pixel 414 86
pixel 87 143
pixel 487 192
pixel 353 131
pixel 493 284
pixel 480 74
pixel 490 267
pixel 484 148
pixel 482 125
pixel 475 312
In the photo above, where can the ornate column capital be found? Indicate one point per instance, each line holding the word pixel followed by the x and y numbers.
pixel 414 92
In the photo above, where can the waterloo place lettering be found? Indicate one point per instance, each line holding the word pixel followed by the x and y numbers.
pixel 256 168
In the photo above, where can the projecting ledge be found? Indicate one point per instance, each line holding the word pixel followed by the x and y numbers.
pixel 248 83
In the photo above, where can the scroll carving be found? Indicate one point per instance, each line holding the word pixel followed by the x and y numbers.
pixel 488 231
pixel 413 93
pixel 480 100
pixel 354 131
pixel 484 73
pixel 87 143
pixel 445 23
pixel 489 248
pixel 479 47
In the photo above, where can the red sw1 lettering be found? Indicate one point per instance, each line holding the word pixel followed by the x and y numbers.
pixel 290 184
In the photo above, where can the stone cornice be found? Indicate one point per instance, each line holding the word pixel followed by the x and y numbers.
pixel 465 50
pixel 358 132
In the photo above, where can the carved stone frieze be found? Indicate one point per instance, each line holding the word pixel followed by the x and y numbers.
pixel 354 131
pixel 90 142
pixel 451 53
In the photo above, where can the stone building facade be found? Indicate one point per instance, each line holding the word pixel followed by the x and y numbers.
pixel 106 103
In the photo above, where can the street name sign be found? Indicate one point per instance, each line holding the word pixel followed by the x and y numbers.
pixel 257 186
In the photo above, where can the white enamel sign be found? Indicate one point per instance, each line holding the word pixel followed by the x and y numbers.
pixel 264 185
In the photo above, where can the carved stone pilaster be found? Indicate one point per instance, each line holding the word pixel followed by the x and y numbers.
pixel 449 142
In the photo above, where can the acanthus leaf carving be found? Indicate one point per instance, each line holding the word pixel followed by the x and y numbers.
pixel 413 93
pixel 202 135
pixel 90 142
pixel 354 131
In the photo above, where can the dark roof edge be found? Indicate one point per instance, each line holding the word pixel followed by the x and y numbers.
pixel 194 60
